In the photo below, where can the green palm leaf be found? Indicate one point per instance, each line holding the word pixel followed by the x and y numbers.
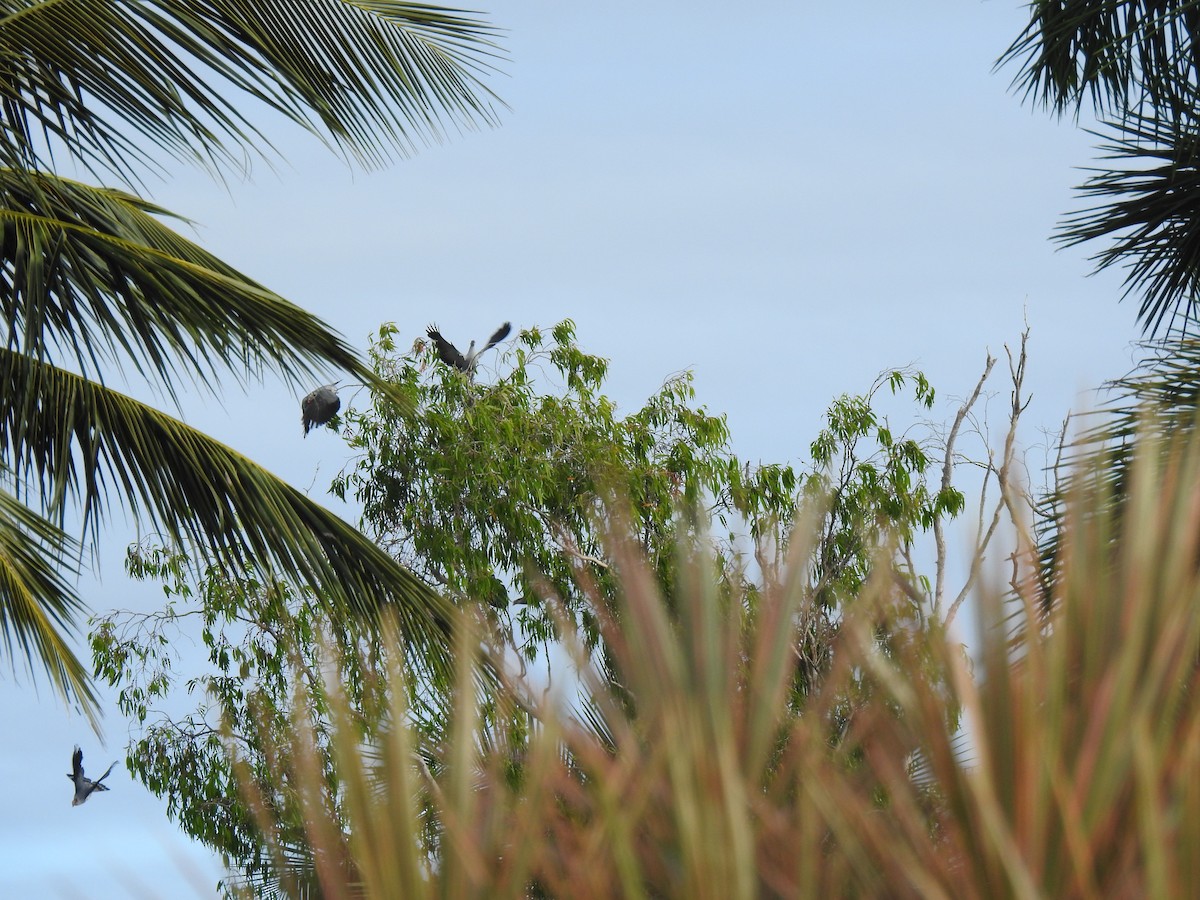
pixel 1150 200
pixel 72 440
pixel 93 271
pixel 1120 53
pixel 1139 62
pixel 39 602
pixel 87 78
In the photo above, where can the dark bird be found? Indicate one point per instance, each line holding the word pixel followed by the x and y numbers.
pixel 84 786
pixel 450 355
pixel 319 406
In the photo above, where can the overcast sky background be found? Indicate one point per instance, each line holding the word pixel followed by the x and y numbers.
pixel 785 198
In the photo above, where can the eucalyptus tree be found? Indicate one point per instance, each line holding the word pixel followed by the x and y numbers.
pixel 94 283
pixel 497 492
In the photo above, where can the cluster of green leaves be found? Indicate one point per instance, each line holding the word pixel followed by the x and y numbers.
pixel 495 491
pixel 261 644
pixel 878 488
pixel 501 489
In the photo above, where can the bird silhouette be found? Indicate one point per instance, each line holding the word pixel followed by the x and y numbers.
pixel 450 355
pixel 84 786
pixel 319 406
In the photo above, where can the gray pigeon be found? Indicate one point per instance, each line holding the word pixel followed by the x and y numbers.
pixel 450 355
pixel 84 786
pixel 319 406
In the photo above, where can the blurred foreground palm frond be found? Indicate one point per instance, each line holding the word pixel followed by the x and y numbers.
pixel 708 775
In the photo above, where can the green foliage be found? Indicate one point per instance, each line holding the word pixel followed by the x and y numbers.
pixel 260 640
pixel 1121 54
pixel 370 77
pixel 497 490
pixel 1136 61
pixel 877 488
pixel 37 562
pixel 1078 778
pixel 494 492
pixel 521 485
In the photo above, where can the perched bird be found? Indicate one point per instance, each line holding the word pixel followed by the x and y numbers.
pixel 319 406
pixel 450 355
pixel 84 786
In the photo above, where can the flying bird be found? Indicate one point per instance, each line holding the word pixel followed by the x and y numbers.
pixel 450 355
pixel 84 786
pixel 319 406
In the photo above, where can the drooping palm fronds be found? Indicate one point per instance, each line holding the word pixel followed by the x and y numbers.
pixel 71 440
pixel 93 272
pixel 91 279
pixel 40 602
pixel 86 79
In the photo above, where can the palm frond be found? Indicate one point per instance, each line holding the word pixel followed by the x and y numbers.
pixel 1151 209
pixel 93 80
pixel 1123 54
pixel 72 441
pixel 93 271
pixel 38 603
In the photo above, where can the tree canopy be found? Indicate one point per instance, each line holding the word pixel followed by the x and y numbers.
pixel 504 493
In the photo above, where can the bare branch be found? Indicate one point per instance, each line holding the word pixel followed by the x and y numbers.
pixel 1004 480
pixel 947 472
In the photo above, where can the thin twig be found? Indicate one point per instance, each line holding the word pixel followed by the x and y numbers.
pixel 947 472
pixel 1006 501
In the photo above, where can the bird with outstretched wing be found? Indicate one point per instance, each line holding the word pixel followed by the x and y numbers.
pixel 451 356
pixel 84 786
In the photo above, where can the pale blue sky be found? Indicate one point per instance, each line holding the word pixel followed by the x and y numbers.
pixel 784 197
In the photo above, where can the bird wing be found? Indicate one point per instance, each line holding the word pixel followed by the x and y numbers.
pixel 99 786
pixel 500 334
pixel 306 411
pixel 77 764
pixel 445 350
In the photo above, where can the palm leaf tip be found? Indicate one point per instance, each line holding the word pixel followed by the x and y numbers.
pixel 38 605
pixel 1120 55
